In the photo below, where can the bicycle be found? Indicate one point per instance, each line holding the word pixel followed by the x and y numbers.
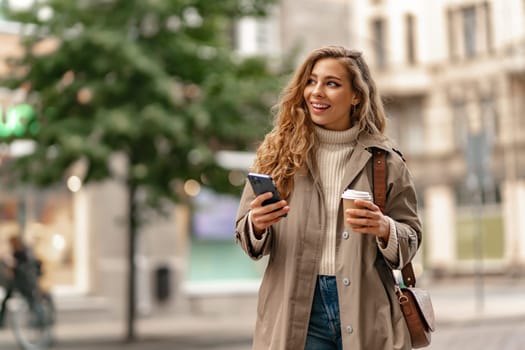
pixel 29 310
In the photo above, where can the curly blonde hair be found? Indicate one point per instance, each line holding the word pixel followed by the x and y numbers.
pixel 287 148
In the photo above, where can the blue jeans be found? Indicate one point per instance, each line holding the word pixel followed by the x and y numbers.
pixel 324 329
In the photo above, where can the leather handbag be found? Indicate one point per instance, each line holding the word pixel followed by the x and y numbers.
pixel 417 309
pixel 415 302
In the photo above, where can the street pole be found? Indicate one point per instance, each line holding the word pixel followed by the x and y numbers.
pixel 478 245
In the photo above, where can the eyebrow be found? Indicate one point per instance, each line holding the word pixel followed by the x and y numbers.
pixel 327 77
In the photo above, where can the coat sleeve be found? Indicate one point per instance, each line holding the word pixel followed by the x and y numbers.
pixel 242 229
pixel 401 206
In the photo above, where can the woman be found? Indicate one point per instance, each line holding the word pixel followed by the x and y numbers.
pixel 327 287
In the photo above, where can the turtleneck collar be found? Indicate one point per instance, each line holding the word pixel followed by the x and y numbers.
pixel 336 137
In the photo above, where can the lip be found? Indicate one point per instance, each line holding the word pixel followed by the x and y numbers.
pixel 319 107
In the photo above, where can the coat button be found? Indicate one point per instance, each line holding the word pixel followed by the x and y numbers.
pixel 349 329
pixel 346 281
pixel 346 235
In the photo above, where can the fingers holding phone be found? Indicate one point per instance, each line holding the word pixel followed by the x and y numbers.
pixel 268 207
pixel 265 215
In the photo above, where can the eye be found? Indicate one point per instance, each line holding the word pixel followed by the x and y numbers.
pixel 333 83
pixel 310 81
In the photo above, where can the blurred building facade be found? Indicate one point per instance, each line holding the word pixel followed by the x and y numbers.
pixel 452 73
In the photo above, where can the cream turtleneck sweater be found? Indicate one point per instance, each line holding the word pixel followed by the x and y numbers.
pixel 333 155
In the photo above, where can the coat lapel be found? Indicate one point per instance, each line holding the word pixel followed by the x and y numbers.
pixel 360 157
pixel 357 162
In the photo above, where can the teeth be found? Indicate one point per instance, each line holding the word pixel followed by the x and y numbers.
pixel 318 105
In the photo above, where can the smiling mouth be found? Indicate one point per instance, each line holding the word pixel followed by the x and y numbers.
pixel 320 106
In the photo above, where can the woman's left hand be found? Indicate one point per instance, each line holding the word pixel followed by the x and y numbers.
pixel 368 219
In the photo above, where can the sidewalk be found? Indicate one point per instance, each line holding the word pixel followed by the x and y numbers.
pixel 464 300
pixel 455 303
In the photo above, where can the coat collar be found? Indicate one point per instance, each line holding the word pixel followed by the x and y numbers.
pixel 368 141
pixel 361 155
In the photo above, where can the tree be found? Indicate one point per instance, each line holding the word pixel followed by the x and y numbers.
pixel 153 80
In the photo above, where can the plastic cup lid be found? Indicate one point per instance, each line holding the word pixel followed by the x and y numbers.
pixel 353 194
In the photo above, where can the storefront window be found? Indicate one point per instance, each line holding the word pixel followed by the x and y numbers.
pixel 214 215
pixel 44 219
pixel 214 256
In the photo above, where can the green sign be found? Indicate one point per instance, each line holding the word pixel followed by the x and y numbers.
pixel 16 120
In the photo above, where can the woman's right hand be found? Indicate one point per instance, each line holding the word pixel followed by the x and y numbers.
pixel 265 216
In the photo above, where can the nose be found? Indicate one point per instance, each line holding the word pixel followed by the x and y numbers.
pixel 317 90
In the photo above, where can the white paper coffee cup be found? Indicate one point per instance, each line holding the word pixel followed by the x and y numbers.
pixel 353 194
pixel 349 196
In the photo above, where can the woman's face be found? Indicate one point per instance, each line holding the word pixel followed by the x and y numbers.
pixel 329 95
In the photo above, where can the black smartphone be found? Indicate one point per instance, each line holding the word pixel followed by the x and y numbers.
pixel 262 183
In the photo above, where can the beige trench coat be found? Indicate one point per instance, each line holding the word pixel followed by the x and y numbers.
pixel 370 317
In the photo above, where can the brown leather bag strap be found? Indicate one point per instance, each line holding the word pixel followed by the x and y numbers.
pixel 379 174
pixel 409 278
pixel 379 184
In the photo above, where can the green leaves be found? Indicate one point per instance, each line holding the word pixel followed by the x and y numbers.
pixel 156 81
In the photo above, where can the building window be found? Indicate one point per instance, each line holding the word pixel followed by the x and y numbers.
pixel 44 220
pixel 213 215
pixel 469 31
pixel 460 121
pixel 410 39
pixel 379 37
pixel 489 117
pixel 490 193
pixel 475 126
pixel 452 44
pixel 406 125
pixel 262 35
pixel 258 35
pixel 213 256
pixel 488 27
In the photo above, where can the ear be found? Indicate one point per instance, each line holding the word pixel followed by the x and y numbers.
pixel 355 100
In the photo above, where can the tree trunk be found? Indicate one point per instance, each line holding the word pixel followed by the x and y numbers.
pixel 132 268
